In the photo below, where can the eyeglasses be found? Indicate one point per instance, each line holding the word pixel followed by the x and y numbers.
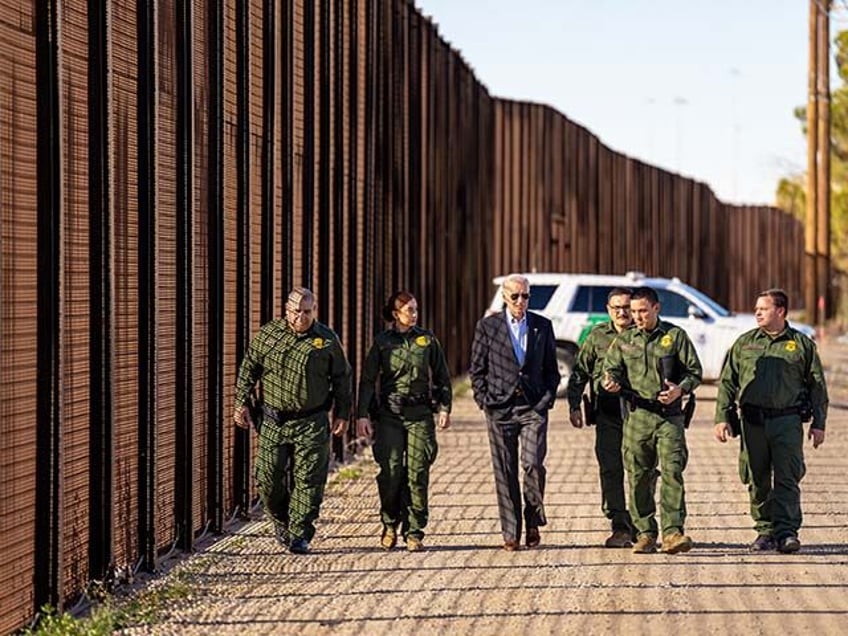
pixel 619 307
pixel 515 297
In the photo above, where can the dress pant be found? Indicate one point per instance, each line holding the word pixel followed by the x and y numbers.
pixel 518 432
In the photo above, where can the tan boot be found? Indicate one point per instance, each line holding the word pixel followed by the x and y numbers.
pixel 414 544
pixel 389 538
pixel 645 544
pixel 675 543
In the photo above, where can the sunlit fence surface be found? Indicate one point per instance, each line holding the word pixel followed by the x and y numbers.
pixel 169 169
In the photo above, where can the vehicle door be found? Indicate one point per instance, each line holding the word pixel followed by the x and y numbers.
pixel 679 310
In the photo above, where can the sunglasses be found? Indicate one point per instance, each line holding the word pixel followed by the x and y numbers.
pixel 515 297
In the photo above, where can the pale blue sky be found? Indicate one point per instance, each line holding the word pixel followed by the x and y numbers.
pixel 704 88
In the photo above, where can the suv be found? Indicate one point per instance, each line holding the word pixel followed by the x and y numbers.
pixel 574 303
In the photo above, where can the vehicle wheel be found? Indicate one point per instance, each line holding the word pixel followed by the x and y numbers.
pixel 566 355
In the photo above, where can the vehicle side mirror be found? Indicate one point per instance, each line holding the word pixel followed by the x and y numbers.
pixel 695 312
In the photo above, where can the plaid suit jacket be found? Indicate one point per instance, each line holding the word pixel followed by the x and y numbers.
pixel 495 373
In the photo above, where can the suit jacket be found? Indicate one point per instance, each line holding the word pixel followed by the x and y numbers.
pixel 495 373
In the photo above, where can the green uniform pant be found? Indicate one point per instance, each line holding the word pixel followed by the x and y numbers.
pixel 648 439
pixel 608 439
pixel 405 450
pixel 291 471
pixel 771 464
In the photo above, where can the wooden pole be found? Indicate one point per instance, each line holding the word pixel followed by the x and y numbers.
pixel 825 309
pixel 810 277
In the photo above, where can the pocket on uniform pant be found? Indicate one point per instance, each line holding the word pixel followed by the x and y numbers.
pixel 798 467
pixel 378 448
pixel 744 467
pixel 431 450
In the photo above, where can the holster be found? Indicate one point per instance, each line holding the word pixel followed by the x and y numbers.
pixel 732 417
pixel 254 408
pixel 589 415
pixel 689 410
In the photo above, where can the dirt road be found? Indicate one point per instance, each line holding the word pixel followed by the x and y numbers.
pixel 466 584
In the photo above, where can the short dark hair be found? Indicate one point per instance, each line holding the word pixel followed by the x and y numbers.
pixel 778 297
pixel 619 291
pixel 395 302
pixel 646 293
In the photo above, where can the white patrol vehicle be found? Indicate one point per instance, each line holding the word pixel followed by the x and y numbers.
pixel 574 303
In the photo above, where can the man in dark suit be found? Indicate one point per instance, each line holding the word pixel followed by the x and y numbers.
pixel 514 376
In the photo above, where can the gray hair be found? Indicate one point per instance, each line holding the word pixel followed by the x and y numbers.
pixel 521 279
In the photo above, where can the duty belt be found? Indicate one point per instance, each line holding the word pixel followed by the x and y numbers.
pixel 638 402
pixel 288 416
pixel 395 403
pixel 406 399
pixel 758 414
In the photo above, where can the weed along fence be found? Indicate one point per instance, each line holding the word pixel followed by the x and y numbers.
pixel 168 170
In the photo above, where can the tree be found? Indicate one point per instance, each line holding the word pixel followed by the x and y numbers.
pixel 791 190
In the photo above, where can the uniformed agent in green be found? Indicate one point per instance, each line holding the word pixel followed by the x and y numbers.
pixel 404 380
pixel 653 366
pixel 606 409
pixel 303 373
pixel 775 374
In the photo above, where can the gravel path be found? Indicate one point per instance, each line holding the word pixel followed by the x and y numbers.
pixel 464 583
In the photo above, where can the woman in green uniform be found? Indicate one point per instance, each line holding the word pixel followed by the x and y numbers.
pixel 404 382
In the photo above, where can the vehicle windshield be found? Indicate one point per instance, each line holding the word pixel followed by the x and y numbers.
pixel 718 309
pixel 540 296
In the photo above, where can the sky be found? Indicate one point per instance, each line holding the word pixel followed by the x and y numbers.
pixel 702 88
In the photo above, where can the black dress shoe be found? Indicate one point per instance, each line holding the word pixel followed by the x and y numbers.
pixel 789 544
pixel 763 543
pixel 299 546
pixel 533 538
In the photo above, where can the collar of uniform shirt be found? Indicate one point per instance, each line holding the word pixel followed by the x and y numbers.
pixel 776 336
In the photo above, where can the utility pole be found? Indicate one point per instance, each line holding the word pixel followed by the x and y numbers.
pixel 810 226
pixel 817 225
pixel 823 273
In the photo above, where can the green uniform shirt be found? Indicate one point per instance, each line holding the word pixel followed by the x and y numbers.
pixel 589 364
pixel 406 363
pixel 633 359
pixel 773 372
pixel 299 372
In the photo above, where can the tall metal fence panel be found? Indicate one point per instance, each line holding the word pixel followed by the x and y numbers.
pixel 565 202
pixel 169 169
